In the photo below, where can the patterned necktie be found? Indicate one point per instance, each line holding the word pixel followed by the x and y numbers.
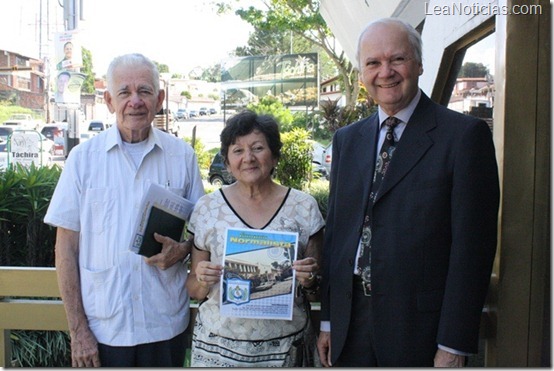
pixel 385 155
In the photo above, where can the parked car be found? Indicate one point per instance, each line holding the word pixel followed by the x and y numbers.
pixel 23 119
pixel 3 153
pixel 193 113
pixel 318 151
pixel 203 111
pixel 98 125
pixel 328 157
pixel 320 171
pixel 218 175
pixel 212 111
pixel 6 131
pixel 181 114
pixel 56 133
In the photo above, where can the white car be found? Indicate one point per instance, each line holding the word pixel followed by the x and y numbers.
pixel 3 154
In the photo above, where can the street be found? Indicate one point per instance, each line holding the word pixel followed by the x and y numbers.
pixel 279 288
pixel 208 129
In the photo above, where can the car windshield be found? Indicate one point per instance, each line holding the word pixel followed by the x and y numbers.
pixel 49 132
pixel 95 126
pixel 5 132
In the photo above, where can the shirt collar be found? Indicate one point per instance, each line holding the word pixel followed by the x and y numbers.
pixel 405 113
pixel 114 139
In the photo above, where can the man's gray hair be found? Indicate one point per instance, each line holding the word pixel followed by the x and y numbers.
pixel 414 37
pixel 132 61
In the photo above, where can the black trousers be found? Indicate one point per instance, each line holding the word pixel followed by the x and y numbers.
pixel 358 350
pixel 168 353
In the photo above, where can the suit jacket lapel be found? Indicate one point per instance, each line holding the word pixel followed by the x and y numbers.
pixel 412 145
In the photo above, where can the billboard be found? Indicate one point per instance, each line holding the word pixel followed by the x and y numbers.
pixel 66 80
pixel 293 78
pixel 67 51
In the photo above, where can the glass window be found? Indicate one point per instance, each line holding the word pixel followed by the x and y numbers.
pixel 473 92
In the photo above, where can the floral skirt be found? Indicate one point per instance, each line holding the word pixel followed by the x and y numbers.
pixel 211 350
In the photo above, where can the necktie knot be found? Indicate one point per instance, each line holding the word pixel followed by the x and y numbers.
pixel 391 123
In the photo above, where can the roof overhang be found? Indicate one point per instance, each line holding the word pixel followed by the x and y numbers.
pixel 347 18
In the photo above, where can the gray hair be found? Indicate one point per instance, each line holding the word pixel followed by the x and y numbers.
pixel 132 61
pixel 414 38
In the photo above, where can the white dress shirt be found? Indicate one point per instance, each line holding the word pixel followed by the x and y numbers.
pixel 127 302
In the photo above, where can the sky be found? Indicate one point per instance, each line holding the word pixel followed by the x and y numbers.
pixel 182 34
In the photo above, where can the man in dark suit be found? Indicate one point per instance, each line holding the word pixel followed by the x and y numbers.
pixel 430 226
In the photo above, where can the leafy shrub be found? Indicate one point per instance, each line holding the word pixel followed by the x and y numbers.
pixel 25 194
pixel 295 166
pixel 269 105
pixel 319 189
pixel 204 157
pixel 25 240
pixel 314 123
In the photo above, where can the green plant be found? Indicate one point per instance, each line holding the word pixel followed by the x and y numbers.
pixel 24 197
pixel 335 116
pixel 319 189
pixel 295 165
pixel 313 122
pixel 41 349
pixel 25 240
pixel 270 105
pixel 204 157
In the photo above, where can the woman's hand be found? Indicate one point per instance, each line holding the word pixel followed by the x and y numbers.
pixel 203 274
pixel 208 273
pixel 306 271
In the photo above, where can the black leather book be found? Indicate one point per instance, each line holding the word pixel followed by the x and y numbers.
pixel 163 223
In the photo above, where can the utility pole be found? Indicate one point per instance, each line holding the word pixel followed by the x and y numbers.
pixel 72 12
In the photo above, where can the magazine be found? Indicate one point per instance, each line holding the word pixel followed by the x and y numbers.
pixel 258 279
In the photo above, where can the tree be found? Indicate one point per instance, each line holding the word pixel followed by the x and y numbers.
pixel 162 68
pixel 471 69
pixel 302 17
pixel 212 73
pixel 88 84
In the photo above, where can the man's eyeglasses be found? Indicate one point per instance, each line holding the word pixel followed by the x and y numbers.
pixel 373 64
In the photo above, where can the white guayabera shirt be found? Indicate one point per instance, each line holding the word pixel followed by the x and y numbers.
pixel 127 302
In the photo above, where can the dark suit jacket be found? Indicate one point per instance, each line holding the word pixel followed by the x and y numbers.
pixel 433 233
